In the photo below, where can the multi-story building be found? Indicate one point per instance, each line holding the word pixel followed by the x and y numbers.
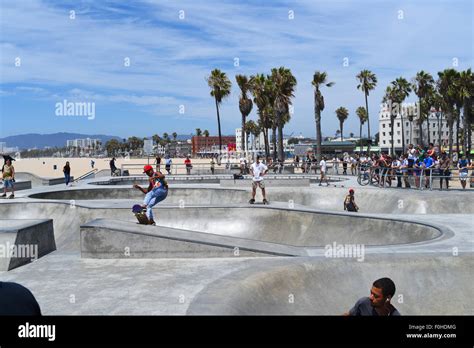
pixel 83 143
pixel 437 127
pixel 201 144
pixel 178 149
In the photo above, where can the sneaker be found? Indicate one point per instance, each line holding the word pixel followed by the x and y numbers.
pixel 3 196
pixel 152 222
pixel 265 201
pixel 11 197
pixel 320 185
pixel 252 201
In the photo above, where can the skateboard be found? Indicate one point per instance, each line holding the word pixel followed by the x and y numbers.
pixel 140 214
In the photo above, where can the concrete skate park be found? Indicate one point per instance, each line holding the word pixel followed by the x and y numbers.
pixel 213 253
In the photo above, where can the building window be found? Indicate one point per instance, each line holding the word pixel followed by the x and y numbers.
pixel 384 142
pixel 398 132
pixel 406 124
pixel 434 133
pixel 390 133
pixel 398 141
pixel 398 124
pixel 383 125
pixel 434 125
pixel 383 133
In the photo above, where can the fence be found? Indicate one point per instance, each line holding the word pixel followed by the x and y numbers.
pixel 421 179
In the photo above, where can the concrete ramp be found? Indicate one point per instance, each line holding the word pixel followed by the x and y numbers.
pixel 102 238
pixel 426 285
pixel 24 241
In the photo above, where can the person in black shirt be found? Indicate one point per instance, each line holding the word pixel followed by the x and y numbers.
pixel 15 299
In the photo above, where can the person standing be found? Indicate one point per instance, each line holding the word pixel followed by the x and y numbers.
pixel 168 163
pixel 258 170
pixel 189 166
pixel 8 178
pixel 444 172
pixel 158 163
pixel 67 173
pixel 463 165
pixel 213 164
pixel 92 164
pixel 113 168
pixel 323 169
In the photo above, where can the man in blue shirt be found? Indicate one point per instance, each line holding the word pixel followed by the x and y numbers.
pixel 428 163
pixel 463 165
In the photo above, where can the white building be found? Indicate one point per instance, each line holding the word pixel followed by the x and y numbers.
pixel 257 144
pixel 83 143
pixel 385 133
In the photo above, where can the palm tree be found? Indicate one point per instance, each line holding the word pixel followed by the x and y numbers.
pixel 361 112
pixel 220 89
pixel 259 87
pixel 285 84
pixel 465 90
pixel 206 135
pixel 245 105
pixel 252 128
pixel 446 87
pixel 319 79
pixel 403 90
pixel 422 86
pixel 342 113
pixel 198 132
pixel 367 82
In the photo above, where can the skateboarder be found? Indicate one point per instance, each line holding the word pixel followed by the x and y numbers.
pixel 156 192
pixel 349 202
pixel 258 170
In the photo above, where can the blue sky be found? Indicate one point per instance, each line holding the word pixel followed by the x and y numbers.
pixel 82 59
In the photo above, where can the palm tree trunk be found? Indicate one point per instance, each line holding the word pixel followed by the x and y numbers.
pixel 219 127
pixel 411 132
pixel 428 128
pixel 392 122
pixel 403 133
pixel 267 145
pixel 360 138
pixel 438 114
pixel 341 125
pixel 450 142
pixel 274 143
pixel 244 136
pixel 318 133
pixel 368 123
pixel 466 127
pixel 281 152
pixel 420 125
pixel 457 130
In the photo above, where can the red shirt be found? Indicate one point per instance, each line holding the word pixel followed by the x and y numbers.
pixel 187 162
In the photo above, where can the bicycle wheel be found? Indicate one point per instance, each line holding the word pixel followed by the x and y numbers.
pixel 363 179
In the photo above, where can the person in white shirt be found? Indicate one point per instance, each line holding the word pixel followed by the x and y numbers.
pixel 335 164
pixel 258 170
pixel 323 168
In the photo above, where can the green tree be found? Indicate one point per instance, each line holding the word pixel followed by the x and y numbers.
pixel 342 113
pixel 285 84
pixel 361 112
pixel 422 86
pixel 367 82
pixel 220 89
pixel 245 104
pixel 319 80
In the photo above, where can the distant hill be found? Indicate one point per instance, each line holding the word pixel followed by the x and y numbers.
pixel 32 140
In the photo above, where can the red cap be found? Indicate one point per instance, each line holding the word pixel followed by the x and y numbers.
pixel 147 168
pixel 351 190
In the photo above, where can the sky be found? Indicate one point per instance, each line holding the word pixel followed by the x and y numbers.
pixel 143 64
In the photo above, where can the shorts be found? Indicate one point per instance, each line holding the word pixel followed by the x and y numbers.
pixel 462 176
pixel 8 183
pixel 256 184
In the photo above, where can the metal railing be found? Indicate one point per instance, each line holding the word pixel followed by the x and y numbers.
pixel 416 178
pixel 86 175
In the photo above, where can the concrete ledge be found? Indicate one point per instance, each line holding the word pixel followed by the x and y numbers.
pixel 40 181
pixel 23 241
pixel 102 238
pixel 268 182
